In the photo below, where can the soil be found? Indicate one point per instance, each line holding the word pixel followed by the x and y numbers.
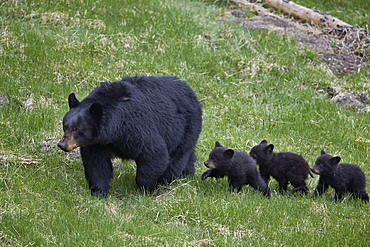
pixel 344 51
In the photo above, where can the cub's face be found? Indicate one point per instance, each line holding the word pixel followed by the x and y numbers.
pixel 262 152
pixel 219 157
pixel 325 164
pixel 257 152
pixel 214 158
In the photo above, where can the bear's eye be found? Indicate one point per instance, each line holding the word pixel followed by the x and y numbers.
pixel 75 129
pixel 323 164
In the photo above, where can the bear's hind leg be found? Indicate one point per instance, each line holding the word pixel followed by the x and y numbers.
pixel 257 183
pixel 262 186
pixel 176 168
pixel 299 184
pixel 151 167
pixel 362 195
pixel 190 166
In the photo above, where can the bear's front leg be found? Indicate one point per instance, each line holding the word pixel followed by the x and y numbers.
pixel 212 173
pixel 320 188
pixel 98 168
pixel 236 184
pixel 340 190
pixel 283 184
pixel 265 177
pixel 258 184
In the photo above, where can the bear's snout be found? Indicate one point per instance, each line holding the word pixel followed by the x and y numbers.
pixel 314 170
pixel 62 146
pixel 209 164
pixel 68 144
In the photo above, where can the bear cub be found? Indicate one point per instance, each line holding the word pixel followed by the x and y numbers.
pixel 239 167
pixel 285 167
pixel 342 177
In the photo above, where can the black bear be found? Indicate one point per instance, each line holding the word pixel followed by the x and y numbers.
pixel 342 177
pixel 154 120
pixel 285 167
pixel 239 167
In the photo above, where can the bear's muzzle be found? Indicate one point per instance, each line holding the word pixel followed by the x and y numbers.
pixel 68 143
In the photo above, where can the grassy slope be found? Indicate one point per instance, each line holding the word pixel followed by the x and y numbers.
pixel 253 85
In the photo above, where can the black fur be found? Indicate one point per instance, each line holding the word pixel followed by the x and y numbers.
pixel 285 167
pixel 239 167
pixel 154 120
pixel 343 177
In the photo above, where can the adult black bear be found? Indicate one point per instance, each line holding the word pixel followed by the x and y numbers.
pixel 154 120
pixel 342 177
pixel 285 167
pixel 239 167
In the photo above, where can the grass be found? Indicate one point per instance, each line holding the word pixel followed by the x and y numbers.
pixel 254 85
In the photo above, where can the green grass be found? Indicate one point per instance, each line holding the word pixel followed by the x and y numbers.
pixel 254 85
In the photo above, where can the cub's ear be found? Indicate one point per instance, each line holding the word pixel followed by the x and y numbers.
pixel 217 145
pixel 263 142
pixel 96 110
pixel 72 101
pixel 269 148
pixel 335 160
pixel 229 153
pixel 322 152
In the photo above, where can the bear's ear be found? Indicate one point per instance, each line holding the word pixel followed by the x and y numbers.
pixel 72 101
pixel 229 153
pixel 217 145
pixel 269 148
pixel 322 152
pixel 96 110
pixel 335 160
pixel 263 142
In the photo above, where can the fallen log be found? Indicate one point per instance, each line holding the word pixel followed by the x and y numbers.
pixel 253 7
pixel 310 15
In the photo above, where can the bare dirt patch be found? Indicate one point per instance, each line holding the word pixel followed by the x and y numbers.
pixel 343 50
